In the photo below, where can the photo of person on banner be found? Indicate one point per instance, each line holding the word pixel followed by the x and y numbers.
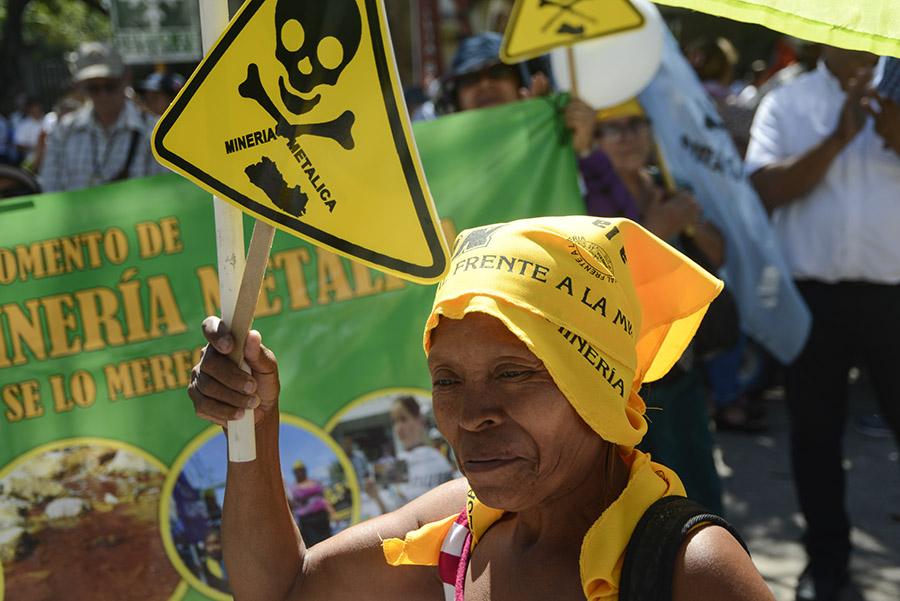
pixel 394 478
pixel 538 342
pixel 424 467
pixel 316 486
pixel 213 565
pixel 313 512
pixel 372 427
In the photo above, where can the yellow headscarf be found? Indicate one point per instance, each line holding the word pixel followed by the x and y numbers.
pixel 605 304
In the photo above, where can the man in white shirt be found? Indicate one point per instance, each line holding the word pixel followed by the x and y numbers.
pixel 106 140
pixel 824 156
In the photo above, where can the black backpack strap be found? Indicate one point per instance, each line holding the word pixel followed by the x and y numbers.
pixel 650 555
pixel 132 146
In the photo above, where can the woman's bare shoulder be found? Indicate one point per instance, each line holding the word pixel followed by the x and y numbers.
pixel 712 564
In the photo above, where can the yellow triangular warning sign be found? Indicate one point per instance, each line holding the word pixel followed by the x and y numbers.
pixel 296 116
pixel 538 26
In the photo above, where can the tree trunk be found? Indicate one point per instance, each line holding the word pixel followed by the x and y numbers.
pixel 12 45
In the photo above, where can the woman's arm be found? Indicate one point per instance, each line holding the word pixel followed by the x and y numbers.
pixel 712 565
pixel 787 180
pixel 351 565
pixel 264 552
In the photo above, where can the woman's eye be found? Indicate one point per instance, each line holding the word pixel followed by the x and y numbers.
pixel 442 382
pixel 512 373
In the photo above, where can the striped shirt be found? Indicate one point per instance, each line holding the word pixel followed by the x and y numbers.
pixel 81 153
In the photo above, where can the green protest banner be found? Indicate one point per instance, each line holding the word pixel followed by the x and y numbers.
pixel 110 487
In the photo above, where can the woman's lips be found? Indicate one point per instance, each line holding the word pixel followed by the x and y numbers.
pixel 486 465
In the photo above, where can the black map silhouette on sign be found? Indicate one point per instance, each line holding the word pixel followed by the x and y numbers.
pixel 266 176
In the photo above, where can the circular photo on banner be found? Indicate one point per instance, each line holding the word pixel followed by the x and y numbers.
pixel 319 482
pixel 79 520
pixel 395 448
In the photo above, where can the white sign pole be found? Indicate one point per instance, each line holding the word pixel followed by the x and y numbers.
pixel 229 247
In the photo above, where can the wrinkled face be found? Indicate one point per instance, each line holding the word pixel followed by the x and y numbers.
pixel 107 94
pixel 316 40
pixel 407 427
pixel 626 141
pixel 515 436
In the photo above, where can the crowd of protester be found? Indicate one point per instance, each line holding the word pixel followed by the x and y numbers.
pixel 97 131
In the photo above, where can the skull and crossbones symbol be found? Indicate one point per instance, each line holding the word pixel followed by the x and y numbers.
pixel 316 40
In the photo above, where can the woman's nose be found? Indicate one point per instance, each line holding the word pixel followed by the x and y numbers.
pixel 480 409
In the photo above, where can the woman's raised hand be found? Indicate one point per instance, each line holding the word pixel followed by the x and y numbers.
pixel 221 390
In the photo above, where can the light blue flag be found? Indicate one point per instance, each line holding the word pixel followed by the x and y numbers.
pixel 697 149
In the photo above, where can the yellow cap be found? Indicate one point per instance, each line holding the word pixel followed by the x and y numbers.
pixel 605 304
pixel 299 465
pixel 629 108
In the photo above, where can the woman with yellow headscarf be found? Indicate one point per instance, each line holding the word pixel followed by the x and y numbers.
pixel 539 339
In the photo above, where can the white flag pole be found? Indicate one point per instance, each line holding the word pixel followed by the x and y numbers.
pixel 573 77
pixel 229 246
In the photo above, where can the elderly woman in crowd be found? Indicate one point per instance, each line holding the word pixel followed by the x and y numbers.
pixel 538 342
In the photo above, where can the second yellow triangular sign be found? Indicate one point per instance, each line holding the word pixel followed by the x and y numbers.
pixel 538 26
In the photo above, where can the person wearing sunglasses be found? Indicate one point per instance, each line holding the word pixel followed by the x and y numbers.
pixel 479 79
pixel 106 140
pixel 672 212
pixel 623 135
